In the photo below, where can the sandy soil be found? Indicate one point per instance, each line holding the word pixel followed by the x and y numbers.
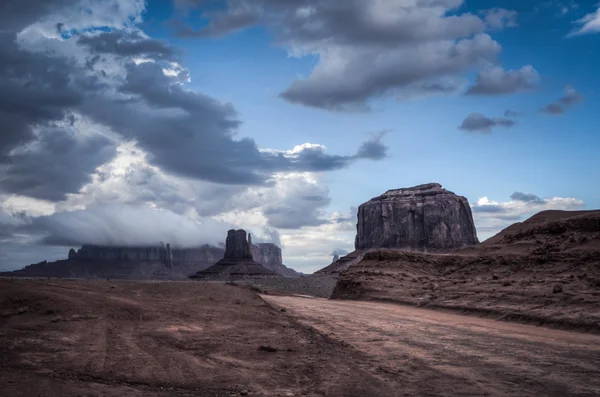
pixel 121 338
pixel 545 270
pixel 421 352
pixel 111 338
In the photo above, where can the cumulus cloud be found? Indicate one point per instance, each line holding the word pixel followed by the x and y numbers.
pixel 367 49
pixel 492 216
pixel 569 99
pixel 498 18
pixel 589 24
pixel 495 80
pixel 477 122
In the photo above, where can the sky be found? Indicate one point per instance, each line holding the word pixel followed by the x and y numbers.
pixel 130 122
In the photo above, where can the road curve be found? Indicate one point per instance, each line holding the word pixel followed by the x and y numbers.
pixel 431 353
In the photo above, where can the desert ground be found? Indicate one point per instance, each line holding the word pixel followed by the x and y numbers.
pixel 124 338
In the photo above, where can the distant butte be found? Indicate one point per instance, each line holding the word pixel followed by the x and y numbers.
pixel 237 263
pixel 424 218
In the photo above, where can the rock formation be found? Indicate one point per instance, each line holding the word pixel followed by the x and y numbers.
pixel 269 255
pixel 421 218
pixel 151 262
pixel 237 262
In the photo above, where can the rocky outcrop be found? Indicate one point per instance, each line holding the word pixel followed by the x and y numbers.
pixel 422 218
pixel 237 246
pixel 269 255
pixel 513 275
pixel 102 253
pixel 237 263
pixel 340 264
pixel 152 262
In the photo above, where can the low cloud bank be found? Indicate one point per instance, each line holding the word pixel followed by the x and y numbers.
pixel 128 226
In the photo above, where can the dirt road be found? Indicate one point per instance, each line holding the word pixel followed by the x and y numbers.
pixel 423 352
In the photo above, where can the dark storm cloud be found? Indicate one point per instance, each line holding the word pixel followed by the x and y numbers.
pixel 569 99
pixel 367 49
pixel 15 15
pixel 35 89
pixel 127 44
pixel 196 136
pixel 525 197
pixel 39 155
pixel 184 132
pixel 477 122
pixel 497 81
pixel 58 163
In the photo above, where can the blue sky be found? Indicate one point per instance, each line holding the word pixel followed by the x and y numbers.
pixel 211 138
pixel 546 155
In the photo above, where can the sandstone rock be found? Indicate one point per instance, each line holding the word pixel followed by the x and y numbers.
pixel 237 263
pixel 421 218
pixel 236 246
pixel 72 254
pixel 269 255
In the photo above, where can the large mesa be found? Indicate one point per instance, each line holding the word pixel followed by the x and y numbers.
pixel 426 218
pixel 421 218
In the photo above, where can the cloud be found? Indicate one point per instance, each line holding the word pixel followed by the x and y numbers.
pixel 239 15
pixel 347 77
pixel 126 44
pixel 121 225
pixel 492 216
pixel 129 88
pixel 553 108
pixel 589 24
pixel 339 251
pixel 495 80
pixel 570 98
pixel 525 197
pixel 57 163
pixel 512 113
pixel 368 49
pixel 477 122
pixel 499 18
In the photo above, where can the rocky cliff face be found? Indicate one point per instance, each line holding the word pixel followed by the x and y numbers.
pixel 421 218
pixel 269 255
pixel 141 254
pixel 158 262
pixel 237 246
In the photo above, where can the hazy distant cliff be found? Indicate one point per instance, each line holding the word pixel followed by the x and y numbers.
pixel 155 262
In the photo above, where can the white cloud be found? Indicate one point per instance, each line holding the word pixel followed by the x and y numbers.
pixel 588 24
pixel 492 216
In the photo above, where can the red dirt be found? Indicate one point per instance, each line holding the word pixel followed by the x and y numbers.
pixel 423 352
pixel 105 338
pixel 545 270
